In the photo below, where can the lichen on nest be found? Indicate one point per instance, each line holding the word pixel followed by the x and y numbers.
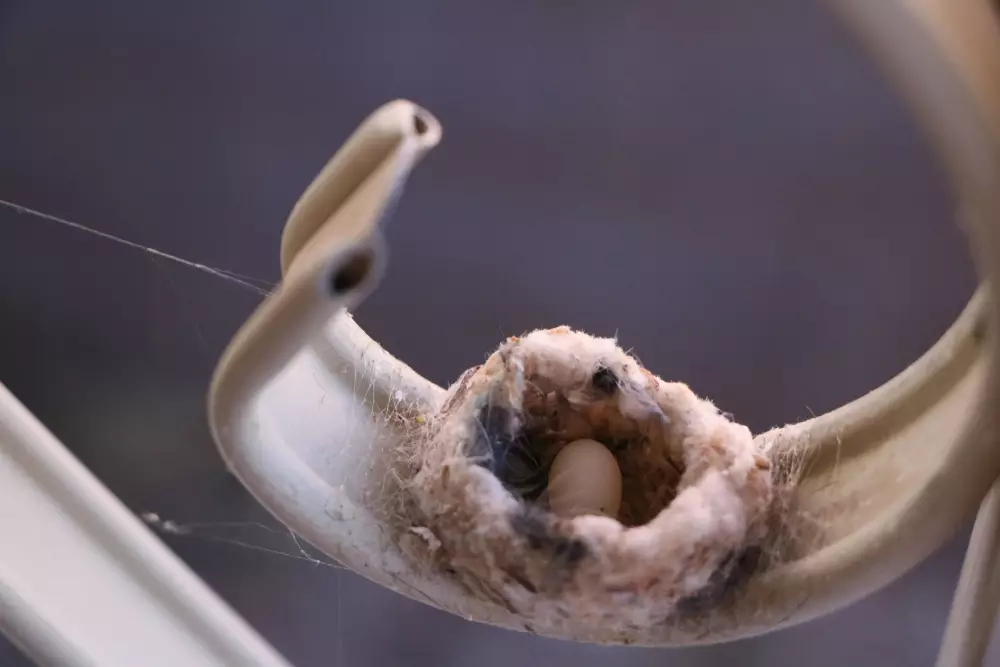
pixel 696 490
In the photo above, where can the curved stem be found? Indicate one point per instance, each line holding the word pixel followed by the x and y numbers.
pixel 974 610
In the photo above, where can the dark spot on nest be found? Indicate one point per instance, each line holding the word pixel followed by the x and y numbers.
pixel 538 529
pixel 604 380
pixel 533 525
pixel 521 579
pixel 495 425
pixel 617 445
pixel 501 447
pixel 733 573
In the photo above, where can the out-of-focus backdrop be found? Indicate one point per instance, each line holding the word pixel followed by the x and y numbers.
pixel 728 185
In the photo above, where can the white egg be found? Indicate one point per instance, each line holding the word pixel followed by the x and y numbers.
pixel 585 479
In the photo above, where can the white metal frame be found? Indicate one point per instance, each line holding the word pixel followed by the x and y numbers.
pixel 84 582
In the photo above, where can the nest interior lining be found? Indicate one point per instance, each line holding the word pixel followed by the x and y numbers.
pixel 519 445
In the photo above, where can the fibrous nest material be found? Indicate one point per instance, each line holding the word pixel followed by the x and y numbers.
pixel 696 490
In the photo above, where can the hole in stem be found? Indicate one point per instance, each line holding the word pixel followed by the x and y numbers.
pixel 419 124
pixel 352 272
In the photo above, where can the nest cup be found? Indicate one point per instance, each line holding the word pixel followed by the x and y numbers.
pixel 696 490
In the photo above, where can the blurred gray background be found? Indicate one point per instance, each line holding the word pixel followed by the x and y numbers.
pixel 729 185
